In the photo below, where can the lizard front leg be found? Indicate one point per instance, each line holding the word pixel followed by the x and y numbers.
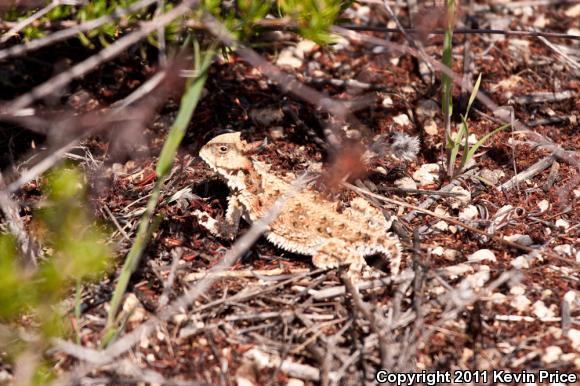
pixel 226 227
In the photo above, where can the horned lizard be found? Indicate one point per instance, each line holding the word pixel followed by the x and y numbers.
pixel 309 223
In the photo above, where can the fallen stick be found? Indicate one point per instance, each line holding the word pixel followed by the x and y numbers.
pixel 332 292
pixel 536 168
pixel 244 273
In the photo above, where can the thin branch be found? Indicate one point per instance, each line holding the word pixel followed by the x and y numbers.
pixel 29 20
pixel 84 67
pixel 463 31
pixel 533 170
pixel 16 225
pixel 73 31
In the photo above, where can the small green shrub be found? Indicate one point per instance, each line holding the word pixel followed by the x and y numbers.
pixel 460 141
pixel 75 250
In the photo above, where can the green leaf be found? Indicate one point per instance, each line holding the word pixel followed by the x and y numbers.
pixel 148 222
pixel 457 142
pixel 473 94
pixel 476 146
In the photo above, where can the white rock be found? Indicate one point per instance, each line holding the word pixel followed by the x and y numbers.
pixel 402 120
pixel 561 223
pixel 260 359
pixel 339 43
pixel 304 48
pixel 437 251
pixel 570 31
pixel 497 298
pixel 455 271
pixel 405 183
pixel 518 290
pixel 469 213
pixel 441 225
pixel 520 262
pixel 472 139
pixel 287 59
pixel 540 21
pixel 430 127
pixel 541 311
pixel 179 318
pixel 482 254
pixel 574 336
pixel 565 249
pixel 573 11
pixel 570 297
pixel 387 102
pixel 363 13
pixel 520 239
pixel 379 50
pixel 478 279
pixel 462 200
pixel 552 354
pixel 394 60
pixel 520 303
pixel 242 381
pixel 508 83
pixel 427 174
pixel 544 205
pixel 450 254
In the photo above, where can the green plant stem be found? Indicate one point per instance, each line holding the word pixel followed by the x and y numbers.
pixel 447 82
pixel 146 228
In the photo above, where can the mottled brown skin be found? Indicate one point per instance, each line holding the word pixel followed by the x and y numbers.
pixel 309 223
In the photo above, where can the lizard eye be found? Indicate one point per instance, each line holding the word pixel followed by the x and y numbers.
pixel 223 149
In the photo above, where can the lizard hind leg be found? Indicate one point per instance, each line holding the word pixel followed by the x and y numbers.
pixel 334 253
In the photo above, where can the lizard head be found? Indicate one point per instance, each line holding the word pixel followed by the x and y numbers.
pixel 227 154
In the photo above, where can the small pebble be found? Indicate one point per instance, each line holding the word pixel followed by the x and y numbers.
pixel 402 120
pixel 481 255
pixel 544 205
pixel 520 303
pixel 405 183
pixel 520 262
pixel 520 239
pixel 427 174
pixel 430 127
pixel 387 102
pixel 561 223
